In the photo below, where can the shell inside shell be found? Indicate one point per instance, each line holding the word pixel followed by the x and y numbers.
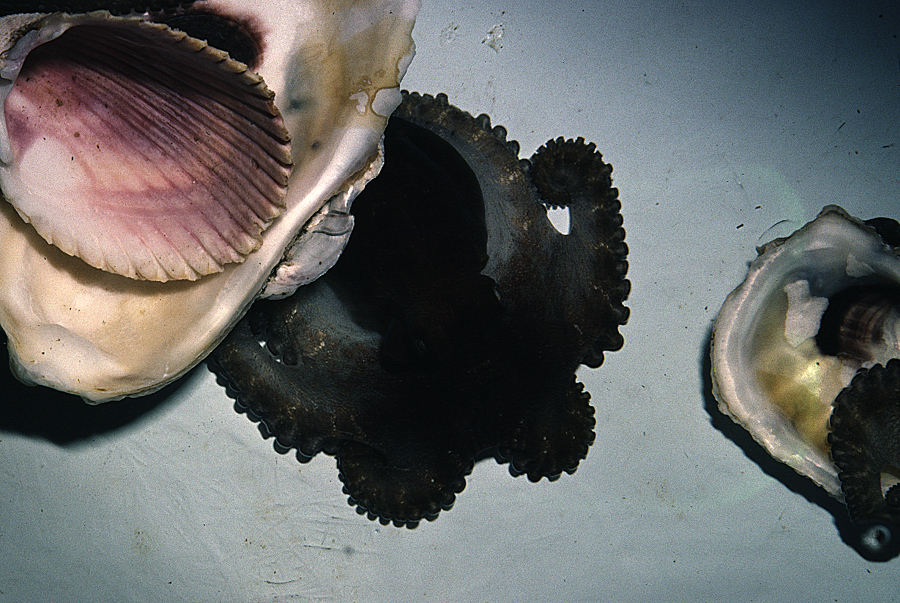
pixel 138 149
pixel 156 165
pixel 818 309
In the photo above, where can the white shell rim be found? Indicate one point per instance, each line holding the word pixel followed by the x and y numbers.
pixel 738 394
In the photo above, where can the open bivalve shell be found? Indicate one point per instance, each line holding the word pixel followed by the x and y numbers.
pixel 805 357
pixel 815 308
pixel 160 160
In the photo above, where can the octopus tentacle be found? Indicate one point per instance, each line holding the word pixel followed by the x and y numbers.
pixel 555 440
pixel 433 318
pixel 572 173
pixel 402 489
pixel 302 383
pixel 260 392
pixel 525 251
pixel 562 169
pixel 865 444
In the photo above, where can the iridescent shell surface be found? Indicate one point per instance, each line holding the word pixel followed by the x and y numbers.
pixel 781 355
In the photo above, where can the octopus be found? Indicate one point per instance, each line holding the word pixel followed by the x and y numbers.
pixel 453 323
pixel 866 450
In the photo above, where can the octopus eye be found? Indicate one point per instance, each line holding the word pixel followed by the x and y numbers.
pixel 879 539
pixel 405 346
pixel 234 37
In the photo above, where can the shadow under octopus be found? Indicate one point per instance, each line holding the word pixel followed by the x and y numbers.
pixel 452 325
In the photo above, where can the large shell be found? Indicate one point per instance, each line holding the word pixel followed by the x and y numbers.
pixel 815 308
pixel 332 70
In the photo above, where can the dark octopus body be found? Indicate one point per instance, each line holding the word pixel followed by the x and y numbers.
pixel 865 420
pixel 865 439
pixel 453 323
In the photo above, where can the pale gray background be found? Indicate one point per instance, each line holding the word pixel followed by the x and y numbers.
pixel 721 120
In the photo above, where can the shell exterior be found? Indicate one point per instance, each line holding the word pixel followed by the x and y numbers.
pixel 780 355
pixel 332 69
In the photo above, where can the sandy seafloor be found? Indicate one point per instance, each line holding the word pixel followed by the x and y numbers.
pixel 721 119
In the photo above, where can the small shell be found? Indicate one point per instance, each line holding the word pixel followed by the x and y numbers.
pixel 814 309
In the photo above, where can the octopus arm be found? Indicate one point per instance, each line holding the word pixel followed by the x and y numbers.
pixel 297 370
pixel 553 436
pixel 865 446
pixel 588 265
pixel 312 376
pixel 527 256
pixel 426 273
